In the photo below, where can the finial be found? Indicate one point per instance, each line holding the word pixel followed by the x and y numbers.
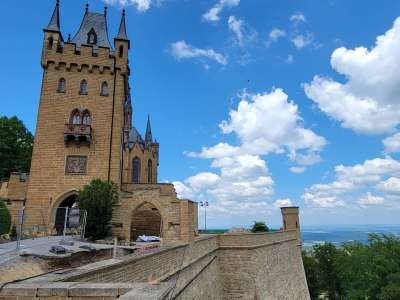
pixel 105 11
pixel 123 12
pixel 58 2
pixel 87 6
pixel 69 38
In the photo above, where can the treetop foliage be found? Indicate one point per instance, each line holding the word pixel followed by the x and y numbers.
pixel 355 270
pixel 259 227
pixel 16 143
pixel 98 198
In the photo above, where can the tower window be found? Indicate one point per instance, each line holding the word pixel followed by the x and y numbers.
pixel 61 86
pixel 92 37
pixel 121 51
pixel 149 171
pixel 76 117
pixel 86 118
pixel 136 170
pixel 50 43
pixel 84 88
pixel 104 89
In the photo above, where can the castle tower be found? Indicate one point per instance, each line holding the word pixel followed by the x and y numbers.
pixel 84 111
pixel 290 216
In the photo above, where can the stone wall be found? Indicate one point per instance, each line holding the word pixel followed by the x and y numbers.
pixel 262 266
pixel 228 266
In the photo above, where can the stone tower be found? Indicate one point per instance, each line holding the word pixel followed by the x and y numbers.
pixel 84 114
pixel 290 216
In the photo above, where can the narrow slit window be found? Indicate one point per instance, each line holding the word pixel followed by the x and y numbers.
pixel 104 89
pixel 121 51
pixel 149 171
pixel 84 88
pixel 61 85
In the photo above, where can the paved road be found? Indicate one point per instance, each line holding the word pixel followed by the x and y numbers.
pixel 8 250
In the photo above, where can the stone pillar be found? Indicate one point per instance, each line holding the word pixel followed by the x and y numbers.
pixel 186 222
pixel 290 216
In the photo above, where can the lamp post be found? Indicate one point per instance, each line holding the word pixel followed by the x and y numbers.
pixel 204 204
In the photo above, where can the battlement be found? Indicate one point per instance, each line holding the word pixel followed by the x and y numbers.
pixel 70 59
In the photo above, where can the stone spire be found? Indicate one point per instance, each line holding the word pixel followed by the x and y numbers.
pixel 54 24
pixel 122 29
pixel 149 136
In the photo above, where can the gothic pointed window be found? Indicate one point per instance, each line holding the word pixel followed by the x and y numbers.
pixel 104 89
pixel 76 117
pixel 121 51
pixel 92 37
pixel 136 170
pixel 149 171
pixel 61 86
pixel 86 118
pixel 83 88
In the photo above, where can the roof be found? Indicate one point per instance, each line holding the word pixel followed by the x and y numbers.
pixel 122 29
pixel 93 23
pixel 134 136
pixel 54 24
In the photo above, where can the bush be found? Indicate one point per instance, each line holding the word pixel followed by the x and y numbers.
pixel 98 199
pixel 5 218
pixel 259 227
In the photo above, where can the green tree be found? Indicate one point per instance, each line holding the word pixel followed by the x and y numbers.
pixel 98 199
pixel 5 218
pixel 311 269
pixel 326 256
pixel 259 227
pixel 16 144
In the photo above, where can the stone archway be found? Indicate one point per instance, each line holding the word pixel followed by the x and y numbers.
pixel 57 212
pixel 146 220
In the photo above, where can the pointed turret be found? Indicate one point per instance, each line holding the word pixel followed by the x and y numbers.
pixel 122 30
pixel 54 24
pixel 149 136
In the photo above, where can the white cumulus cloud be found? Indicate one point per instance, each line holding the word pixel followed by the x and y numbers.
pixel 370 199
pixel 378 174
pixel 301 40
pixel 274 35
pixel 298 17
pixel 141 5
pixel 368 101
pixel 181 50
pixel 283 203
pixel 212 15
pixel 392 143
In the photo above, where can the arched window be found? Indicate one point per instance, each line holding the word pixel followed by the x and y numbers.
pixel 121 51
pixel 83 89
pixel 92 37
pixel 136 170
pixel 86 118
pixel 50 43
pixel 61 85
pixel 149 171
pixel 76 117
pixel 104 89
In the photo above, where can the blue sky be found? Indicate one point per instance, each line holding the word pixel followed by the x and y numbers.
pixel 256 103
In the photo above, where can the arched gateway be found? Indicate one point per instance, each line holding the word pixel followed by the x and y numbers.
pixel 57 213
pixel 146 220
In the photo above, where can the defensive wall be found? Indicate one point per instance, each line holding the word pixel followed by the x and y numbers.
pixel 227 266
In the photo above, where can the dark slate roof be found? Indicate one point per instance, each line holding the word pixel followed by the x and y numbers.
pixel 98 23
pixel 134 136
pixel 54 24
pixel 122 28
